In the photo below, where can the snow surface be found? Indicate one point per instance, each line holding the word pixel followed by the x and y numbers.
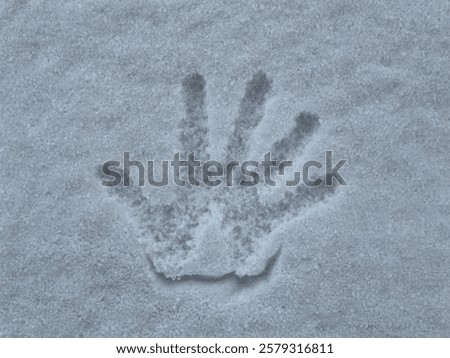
pixel 81 82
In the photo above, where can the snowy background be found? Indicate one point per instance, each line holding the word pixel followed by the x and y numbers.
pixel 83 81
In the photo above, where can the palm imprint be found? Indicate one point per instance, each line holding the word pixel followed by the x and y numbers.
pixel 207 233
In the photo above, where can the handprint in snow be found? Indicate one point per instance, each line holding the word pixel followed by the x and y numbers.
pixel 207 233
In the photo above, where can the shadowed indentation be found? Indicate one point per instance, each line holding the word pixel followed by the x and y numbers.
pixel 302 197
pixel 255 93
pixel 193 128
pixel 305 125
pixel 250 113
pixel 194 89
pixel 247 280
